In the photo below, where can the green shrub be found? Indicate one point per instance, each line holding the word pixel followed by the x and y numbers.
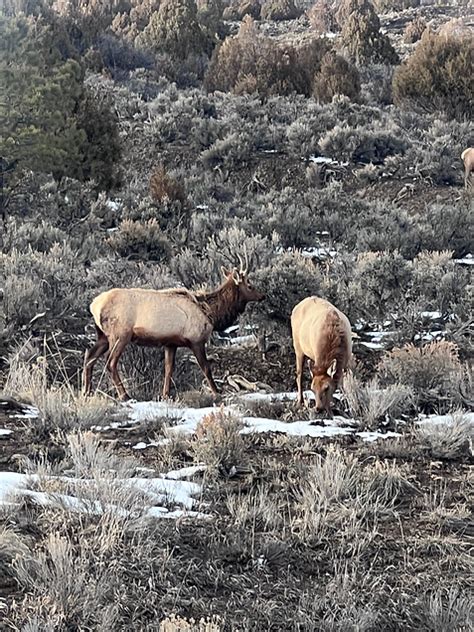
pixel 175 29
pixel 433 371
pixel 363 145
pixel 136 240
pixel 438 76
pixel 290 278
pixel 382 278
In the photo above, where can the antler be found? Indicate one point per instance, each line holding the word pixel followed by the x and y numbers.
pixel 243 270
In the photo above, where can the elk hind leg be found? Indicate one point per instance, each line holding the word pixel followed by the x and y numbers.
pixel 170 354
pixel 116 350
pixel 200 353
pixel 90 358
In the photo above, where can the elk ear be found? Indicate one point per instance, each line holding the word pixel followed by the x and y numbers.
pixel 332 368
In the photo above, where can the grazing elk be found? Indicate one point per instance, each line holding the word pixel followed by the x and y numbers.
pixel 467 157
pixel 173 318
pixel 322 334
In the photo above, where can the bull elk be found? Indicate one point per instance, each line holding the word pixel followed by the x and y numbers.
pixel 321 334
pixel 467 157
pixel 172 318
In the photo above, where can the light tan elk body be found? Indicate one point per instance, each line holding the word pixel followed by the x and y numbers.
pixel 467 157
pixel 322 334
pixel 172 318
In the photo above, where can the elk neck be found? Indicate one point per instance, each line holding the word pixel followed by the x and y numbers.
pixel 222 306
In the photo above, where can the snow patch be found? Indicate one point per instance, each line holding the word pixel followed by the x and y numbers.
pixel 431 315
pixel 160 493
pixel 4 432
pixel 468 260
pixel 448 420
pixel 318 252
pixel 185 472
pixel 30 412
pixel 187 419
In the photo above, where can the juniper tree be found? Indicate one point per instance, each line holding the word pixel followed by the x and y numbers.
pixel 48 122
pixel 361 37
pixel 175 29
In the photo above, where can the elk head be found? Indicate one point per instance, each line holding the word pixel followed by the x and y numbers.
pixel 323 386
pixel 247 292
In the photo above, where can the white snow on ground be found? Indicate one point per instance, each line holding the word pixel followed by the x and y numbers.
pixel 186 419
pixel 427 420
pixel 185 472
pixel 372 345
pixel 4 432
pixel 317 251
pixel 160 492
pixel 431 315
pixel 30 412
pixel 468 260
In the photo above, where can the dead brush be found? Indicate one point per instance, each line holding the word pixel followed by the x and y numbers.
pixel 450 440
pixel 218 442
pixel 372 403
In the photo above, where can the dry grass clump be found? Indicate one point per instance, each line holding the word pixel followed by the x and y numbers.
pixel 175 623
pixel 337 493
pixel 59 406
pixel 371 403
pixel 340 607
pixel 447 440
pixel 444 609
pixel 258 511
pixel 219 443
pixel 433 371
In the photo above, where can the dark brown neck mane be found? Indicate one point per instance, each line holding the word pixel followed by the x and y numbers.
pixel 332 346
pixel 222 306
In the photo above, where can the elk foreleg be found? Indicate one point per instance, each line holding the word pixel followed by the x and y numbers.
pixel 467 177
pixel 200 353
pixel 112 365
pixel 90 358
pixel 170 355
pixel 299 375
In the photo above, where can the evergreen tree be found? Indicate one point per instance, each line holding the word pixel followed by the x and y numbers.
pixel 361 37
pixel 43 98
pixel 175 29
